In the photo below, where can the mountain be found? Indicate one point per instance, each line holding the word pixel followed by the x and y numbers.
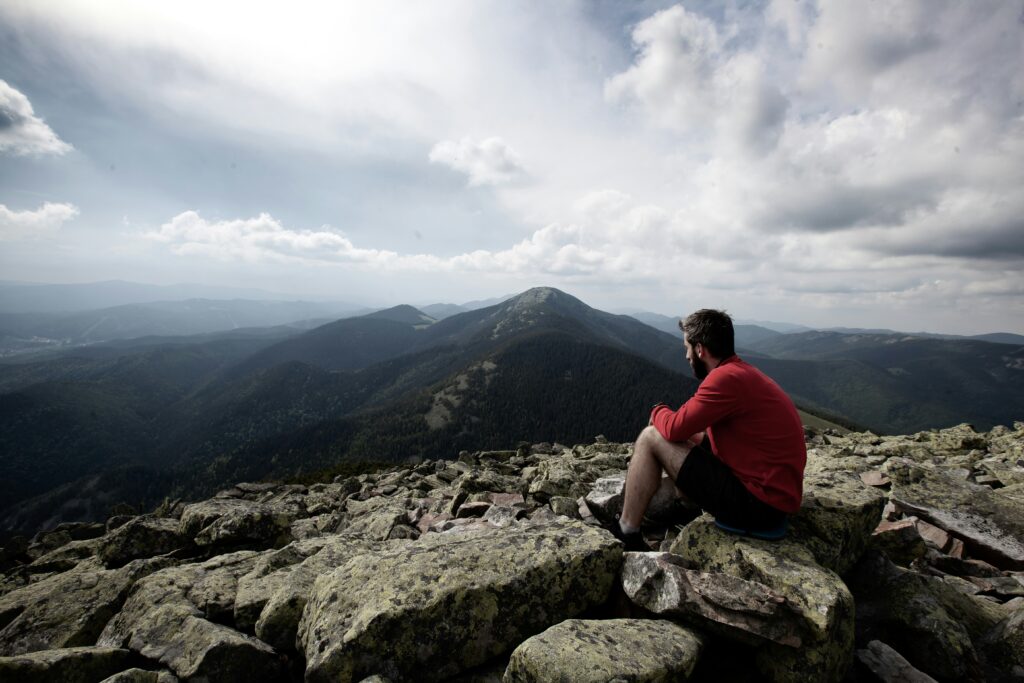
pixel 23 332
pixel 747 336
pixel 441 311
pixel 1001 338
pixel 31 297
pixel 896 382
pixel 403 314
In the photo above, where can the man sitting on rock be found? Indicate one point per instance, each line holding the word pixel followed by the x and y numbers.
pixel 736 448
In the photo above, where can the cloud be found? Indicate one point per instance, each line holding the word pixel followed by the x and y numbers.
pixel 21 131
pixel 29 225
pixel 487 162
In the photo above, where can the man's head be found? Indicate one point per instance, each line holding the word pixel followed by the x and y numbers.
pixel 709 337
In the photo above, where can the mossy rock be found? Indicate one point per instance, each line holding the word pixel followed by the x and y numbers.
pixel 587 651
pixel 788 568
pixel 67 665
pixel 444 604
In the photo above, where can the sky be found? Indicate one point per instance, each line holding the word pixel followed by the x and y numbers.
pixel 823 163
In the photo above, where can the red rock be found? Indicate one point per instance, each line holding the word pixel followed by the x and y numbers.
pixel 956 548
pixel 933 534
pixel 874 478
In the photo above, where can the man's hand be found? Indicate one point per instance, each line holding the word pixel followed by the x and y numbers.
pixel 697 439
pixel 650 420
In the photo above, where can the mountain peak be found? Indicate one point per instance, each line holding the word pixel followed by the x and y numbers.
pixel 403 313
pixel 546 297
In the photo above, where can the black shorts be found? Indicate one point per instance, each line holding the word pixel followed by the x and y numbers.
pixel 708 482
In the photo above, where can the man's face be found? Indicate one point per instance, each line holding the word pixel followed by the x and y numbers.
pixel 699 367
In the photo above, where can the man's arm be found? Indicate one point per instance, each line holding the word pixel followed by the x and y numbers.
pixel 712 402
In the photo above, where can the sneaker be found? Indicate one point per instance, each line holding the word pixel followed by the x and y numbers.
pixel 634 542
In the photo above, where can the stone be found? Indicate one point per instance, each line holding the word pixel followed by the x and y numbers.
pixel 142 676
pixel 789 569
pixel 932 534
pixel 232 522
pixel 476 509
pixel 900 541
pixel 901 609
pixel 589 651
pixel 874 478
pixel 446 604
pixel 605 500
pixel 67 609
pixel 65 557
pixel 661 583
pixel 283 594
pixel 169 618
pixel 989 521
pixel 566 507
pixel 836 519
pixel 67 665
pixel 144 536
pixel 889 666
pixel 1003 648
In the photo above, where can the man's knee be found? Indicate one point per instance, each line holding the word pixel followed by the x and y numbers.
pixel 650 434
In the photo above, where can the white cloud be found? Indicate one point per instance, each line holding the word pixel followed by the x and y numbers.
pixel 487 162
pixel 30 225
pixel 21 131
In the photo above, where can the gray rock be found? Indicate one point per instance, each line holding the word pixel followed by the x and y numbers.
pixel 67 609
pixel 167 618
pixel 67 665
pixel 227 522
pixel 605 500
pixel 889 666
pixel 991 523
pixel 443 605
pixel 789 569
pixel 587 651
pixel 144 536
pixel 838 514
pixel 142 676
pixel 660 583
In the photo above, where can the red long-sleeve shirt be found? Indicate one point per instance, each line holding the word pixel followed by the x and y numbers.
pixel 753 427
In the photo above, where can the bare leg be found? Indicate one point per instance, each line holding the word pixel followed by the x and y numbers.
pixel 652 454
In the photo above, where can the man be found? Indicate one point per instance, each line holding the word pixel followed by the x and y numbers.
pixel 736 448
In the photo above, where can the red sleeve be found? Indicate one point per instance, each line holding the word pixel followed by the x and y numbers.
pixel 711 403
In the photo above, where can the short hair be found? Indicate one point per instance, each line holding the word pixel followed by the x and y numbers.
pixel 712 329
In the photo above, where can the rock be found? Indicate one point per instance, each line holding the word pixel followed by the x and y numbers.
pixel 900 541
pixel 932 535
pixel 588 651
pixel 990 522
pixel 476 509
pixel 566 507
pixel 874 478
pixel 789 569
pixel 889 666
pixel 660 583
pixel 167 618
pixel 605 500
pixel 142 676
pixel 283 594
pixel 67 609
pixel 1003 648
pixel 271 571
pixel 899 608
pixel 143 536
pixel 444 604
pixel 67 665
pixel 65 557
pixel 836 518
pixel 375 521
pixel 233 522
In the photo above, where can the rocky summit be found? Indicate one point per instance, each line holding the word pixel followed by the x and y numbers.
pixel 905 563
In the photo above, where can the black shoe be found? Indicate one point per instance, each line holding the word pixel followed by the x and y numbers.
pixel 634 542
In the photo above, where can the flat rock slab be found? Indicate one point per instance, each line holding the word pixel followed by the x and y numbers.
pixel 141 537
pixel 990 522
pixel 226 522
pixel 788 568
pixel 142 676
pixel 586 651
pixel 428 610
pixel 167 619
pixel 67 665
pixel 889 666
pixel 68 609
pixel 660 583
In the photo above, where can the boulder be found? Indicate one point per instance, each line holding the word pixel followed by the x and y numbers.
pixel 990 522
pixel 822 600
pixel 65 557
pixel 1003 648
pixel 588 651
pixel 900 541
pixel 67 609
pixel 836 519
pixel 605 500
pixel 661 583
pixel 234 522
pixel 67 665
pixel 143 536
pixel 889 666
pixel 167 618
pixel 900 608
pixel 431 609
pixel 142 676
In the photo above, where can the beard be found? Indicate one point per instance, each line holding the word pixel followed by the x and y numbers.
pixel 699 367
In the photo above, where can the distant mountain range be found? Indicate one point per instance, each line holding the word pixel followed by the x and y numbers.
pixel 197 411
